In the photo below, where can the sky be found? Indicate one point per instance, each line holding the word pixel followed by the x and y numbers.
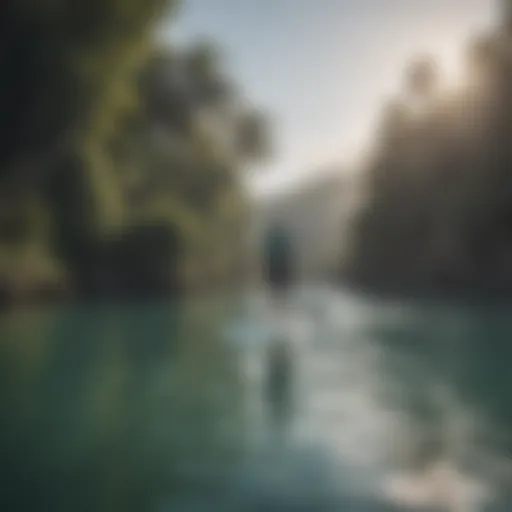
pixel 322 69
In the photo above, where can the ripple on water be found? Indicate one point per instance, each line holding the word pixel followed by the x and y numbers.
pixel 369 389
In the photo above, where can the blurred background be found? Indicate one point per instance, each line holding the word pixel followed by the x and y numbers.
pixel 149 149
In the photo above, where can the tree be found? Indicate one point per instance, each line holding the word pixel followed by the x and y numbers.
pixel 113 133
pixel 422 77
pixel 439 190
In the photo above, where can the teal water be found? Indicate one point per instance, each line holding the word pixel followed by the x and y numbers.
pixel 395 406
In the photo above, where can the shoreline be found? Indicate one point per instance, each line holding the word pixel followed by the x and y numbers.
pixel 455 296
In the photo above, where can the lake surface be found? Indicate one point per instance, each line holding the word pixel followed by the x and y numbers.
pixel 395 406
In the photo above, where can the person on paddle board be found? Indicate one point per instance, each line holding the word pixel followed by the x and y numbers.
pixel 278 260
pixel 278 266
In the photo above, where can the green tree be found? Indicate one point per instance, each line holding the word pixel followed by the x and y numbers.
pixel 110 134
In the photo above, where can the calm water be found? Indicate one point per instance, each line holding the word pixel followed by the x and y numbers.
pixel 395 406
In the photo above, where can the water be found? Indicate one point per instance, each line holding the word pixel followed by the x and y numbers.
pixel 396 406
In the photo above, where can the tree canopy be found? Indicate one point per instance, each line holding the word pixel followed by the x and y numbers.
pixel 438 214
pixel 110 133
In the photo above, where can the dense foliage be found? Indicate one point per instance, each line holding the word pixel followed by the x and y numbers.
pixel 437 214
pixel 116 149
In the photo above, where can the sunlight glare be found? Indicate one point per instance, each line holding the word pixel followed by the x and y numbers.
pixel 451 67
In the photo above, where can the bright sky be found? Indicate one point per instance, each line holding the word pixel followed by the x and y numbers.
pixel 323 68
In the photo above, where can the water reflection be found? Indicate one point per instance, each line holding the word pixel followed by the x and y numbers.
pixel 279 385
pixel 387 406
pixel 103 408
pixel 410 399
pixel 446 370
